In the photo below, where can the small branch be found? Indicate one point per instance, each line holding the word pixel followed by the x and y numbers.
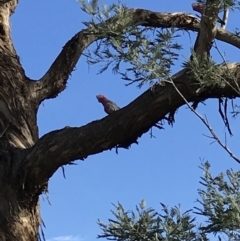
pixel 224 115
pixel 236 85
pixel 63 171
pixel 225 18
pixel 208 31
pixel 206 123
pixel 55 79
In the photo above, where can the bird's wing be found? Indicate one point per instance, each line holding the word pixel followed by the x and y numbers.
pixel 111 107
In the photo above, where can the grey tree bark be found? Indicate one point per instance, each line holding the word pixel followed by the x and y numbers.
pixel 27 162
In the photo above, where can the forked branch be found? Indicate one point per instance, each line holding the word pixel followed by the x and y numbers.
pixel 55 79
pixel 208 30
pixel 63 146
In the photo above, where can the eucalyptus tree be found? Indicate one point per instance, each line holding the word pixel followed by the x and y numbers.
pixel 27 162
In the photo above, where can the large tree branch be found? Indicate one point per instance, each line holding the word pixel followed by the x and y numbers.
pixel 66 145
pixel 55 79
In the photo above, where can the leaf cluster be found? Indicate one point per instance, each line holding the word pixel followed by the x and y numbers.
pixel 146 54
pixel 219 202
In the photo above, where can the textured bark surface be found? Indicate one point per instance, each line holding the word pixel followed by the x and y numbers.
pixel 19 217
pixel 27 162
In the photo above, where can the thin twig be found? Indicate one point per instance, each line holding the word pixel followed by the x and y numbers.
pixel 63 171
pixel 206 123
pixel 224 115
pixel 225 62
pixel 151 133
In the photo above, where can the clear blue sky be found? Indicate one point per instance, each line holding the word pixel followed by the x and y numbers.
pixel 164 169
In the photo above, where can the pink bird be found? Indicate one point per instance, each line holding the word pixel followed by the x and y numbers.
pixel 109 106
pixel 199 7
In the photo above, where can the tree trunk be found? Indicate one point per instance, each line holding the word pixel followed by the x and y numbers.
pixel 19 209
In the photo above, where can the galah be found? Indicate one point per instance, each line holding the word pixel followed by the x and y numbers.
pixel 109 106
pixel 199 7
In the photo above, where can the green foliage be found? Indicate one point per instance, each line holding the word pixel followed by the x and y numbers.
pixel 142 54
pixel 223 4
pixel 102 22
pixel 149 52
pixel 219 205
pixel 206 72
pixel 147 224
pixel 209 74
pixel 221 202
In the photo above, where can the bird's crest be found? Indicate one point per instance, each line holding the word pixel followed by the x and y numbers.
pixel 101 97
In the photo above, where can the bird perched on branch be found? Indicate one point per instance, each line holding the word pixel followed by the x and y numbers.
pixel 200 8
pixel 109 106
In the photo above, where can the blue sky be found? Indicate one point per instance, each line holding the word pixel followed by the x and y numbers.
pixel 162 169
